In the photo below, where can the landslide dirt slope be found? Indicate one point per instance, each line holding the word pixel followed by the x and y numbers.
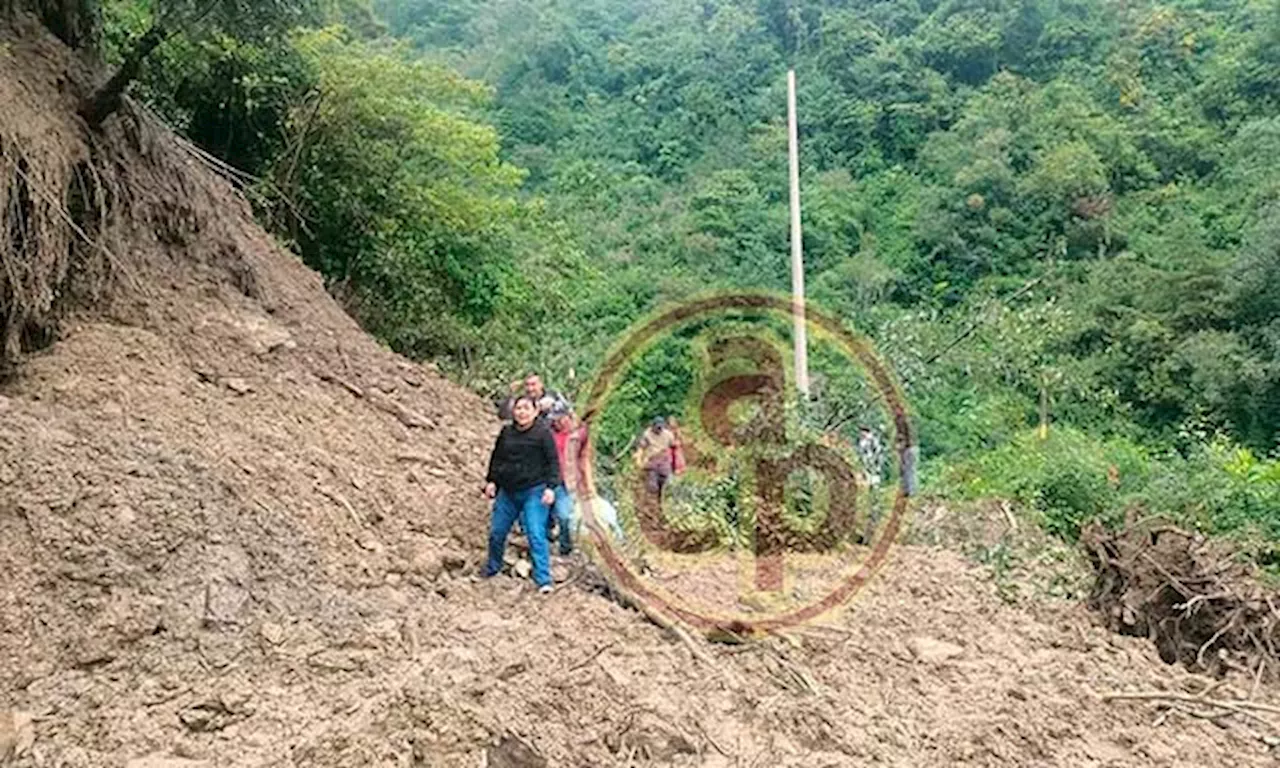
pixel 234 531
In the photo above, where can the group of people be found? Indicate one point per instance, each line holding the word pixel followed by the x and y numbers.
pixel 538 474
pixel 537 459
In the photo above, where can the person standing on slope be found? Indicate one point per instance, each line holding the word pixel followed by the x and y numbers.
pixel 871 455
pixel 523 474
pixel 571 444
pixel 653 456
pixel 544 400
pixel 677 446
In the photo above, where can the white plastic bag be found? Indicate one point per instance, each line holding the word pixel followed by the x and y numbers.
pixel 603 513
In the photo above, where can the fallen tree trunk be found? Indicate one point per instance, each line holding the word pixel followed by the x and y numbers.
pixel 106 99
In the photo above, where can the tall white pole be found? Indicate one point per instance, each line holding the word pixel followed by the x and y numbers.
pixel 800 331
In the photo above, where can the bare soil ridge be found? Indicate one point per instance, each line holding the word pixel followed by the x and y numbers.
pixel 235 531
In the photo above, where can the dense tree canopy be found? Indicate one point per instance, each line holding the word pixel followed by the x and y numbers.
pixel 952 152
pixel 1113 156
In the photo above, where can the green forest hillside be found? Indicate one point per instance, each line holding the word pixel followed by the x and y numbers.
pixel 1046 214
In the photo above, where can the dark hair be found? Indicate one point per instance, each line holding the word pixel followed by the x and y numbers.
pixel 516 402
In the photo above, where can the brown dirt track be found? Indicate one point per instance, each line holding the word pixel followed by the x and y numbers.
pixel 234 531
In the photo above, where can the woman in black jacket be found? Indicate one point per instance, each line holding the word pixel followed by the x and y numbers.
pixel 523 473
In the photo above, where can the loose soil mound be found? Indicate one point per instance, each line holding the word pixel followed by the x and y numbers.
pixel 234 531
pixel 1198 604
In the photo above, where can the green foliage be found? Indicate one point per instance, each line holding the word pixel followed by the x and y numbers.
pixel 249 20
pixel 230 76
pixel 1073 477
pixel 656 383
pixel 382 170
pixel 700 502
pixel 1064 211
pixel 408 208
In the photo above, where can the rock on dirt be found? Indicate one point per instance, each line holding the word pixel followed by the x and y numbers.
pixel 216 714
pixel 17 734
pixel 239 386
pixel 223 603
pixel 429 560
pixel 160 761
pixel 649 736
pixel 272 632
pixel 514 752
pixel 933 651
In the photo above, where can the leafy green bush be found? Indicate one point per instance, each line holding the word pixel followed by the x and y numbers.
pixel 406 206
pixel 1071 478
pixel 1219 488
pixel 1064 477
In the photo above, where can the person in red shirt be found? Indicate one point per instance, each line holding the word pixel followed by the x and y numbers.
pixel 571 442
pixel 677 446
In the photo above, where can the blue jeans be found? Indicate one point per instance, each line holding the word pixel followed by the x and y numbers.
pixel 527 505
pixel 563 509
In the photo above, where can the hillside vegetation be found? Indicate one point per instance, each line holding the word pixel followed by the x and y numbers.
pixel 1083 193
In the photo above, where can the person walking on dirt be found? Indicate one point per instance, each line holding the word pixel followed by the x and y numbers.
pixel 653 455
pixel 871 455
pixel 545 400
pixel 571 443
pixel 523 474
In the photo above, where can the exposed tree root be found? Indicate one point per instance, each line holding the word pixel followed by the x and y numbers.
pixel 1200 606
pixel 71 197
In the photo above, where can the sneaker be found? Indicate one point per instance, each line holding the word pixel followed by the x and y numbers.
pixel 545 589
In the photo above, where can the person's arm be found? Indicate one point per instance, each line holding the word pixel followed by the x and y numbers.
pixel 550 459
pixel 551 463
pixel 642 447
pixel 490 478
